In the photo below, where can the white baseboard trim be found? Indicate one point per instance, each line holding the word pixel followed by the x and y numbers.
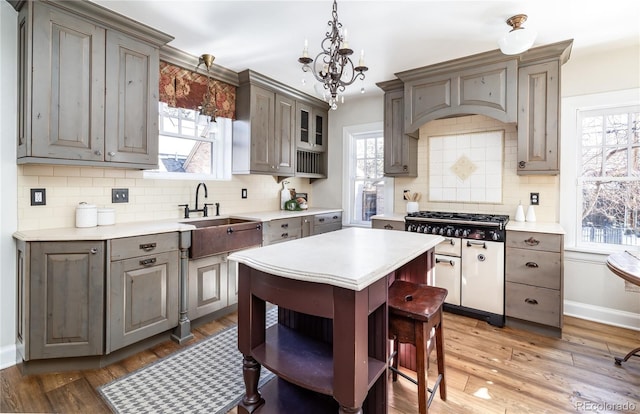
pixel 7 356
pixel 600 314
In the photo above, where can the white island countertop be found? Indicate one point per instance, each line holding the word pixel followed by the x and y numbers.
pixel 352 258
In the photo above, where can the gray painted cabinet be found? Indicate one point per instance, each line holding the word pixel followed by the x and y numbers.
pixel 534 281
pixel 88 87
pixel 264 135
pixel 143 288
pixel 400 149
pixel 538 119
pixel 60 299
pixel 208 285
pixel 468 87
pixel 278 131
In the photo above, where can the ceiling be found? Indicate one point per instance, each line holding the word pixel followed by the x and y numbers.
pixel 268 36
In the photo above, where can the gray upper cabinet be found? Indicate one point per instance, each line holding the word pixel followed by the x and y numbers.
pixel 539 95
pixel 88 86
pixel 278 130
pixel 523 89
pixel 133 70
pixel 264 135
pixel 400 149
pixel 311 127
pixel 466 86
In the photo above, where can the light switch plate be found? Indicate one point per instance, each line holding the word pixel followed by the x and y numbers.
pixel 38 197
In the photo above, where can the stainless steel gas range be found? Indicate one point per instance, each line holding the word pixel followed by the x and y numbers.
pixel 470 262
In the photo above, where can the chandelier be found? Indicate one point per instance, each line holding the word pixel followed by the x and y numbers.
pixel 208 107
pixel 332 66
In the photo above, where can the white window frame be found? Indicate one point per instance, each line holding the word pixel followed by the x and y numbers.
pixel 570 186
pixel 221 139
pixel 349 136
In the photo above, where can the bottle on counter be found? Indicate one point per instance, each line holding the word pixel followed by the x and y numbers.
pixel 285 195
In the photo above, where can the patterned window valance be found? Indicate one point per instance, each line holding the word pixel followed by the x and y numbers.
pixel 183 88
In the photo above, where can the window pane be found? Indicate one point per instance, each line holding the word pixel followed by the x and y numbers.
pixel 592 162
pixel 616 162
pixel 634 126
pixel 592 131
pixel 610 212
pixel 360 148
pixel 616 130
pixel 371 148
pixel 635 161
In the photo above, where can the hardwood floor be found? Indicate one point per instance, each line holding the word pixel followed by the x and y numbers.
pixel 488 370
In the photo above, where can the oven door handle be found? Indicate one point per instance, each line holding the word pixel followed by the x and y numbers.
pixel 475 243
pixel 450 241
pixel 445 261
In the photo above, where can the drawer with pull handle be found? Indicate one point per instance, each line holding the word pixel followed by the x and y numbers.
pixel 137 246
pixel 532 303
pixel 533 267
pixel 534 241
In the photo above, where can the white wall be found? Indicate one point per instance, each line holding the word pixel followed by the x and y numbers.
pixel 8 180
pixel 592 291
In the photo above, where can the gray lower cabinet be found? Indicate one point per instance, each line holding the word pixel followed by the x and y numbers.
pixel 208 285
pixel 87 86
pixel 281 230
pixel 143 288
pixel 326 222
pixel 60 299
pixel 534 280
pixel 387 224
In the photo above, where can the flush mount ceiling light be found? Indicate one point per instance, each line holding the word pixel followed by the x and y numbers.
pixel 332 66
pixel 518 39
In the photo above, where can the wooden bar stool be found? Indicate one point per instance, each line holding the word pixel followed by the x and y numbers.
pixel 414 310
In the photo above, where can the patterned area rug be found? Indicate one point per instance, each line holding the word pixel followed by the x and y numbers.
pixel 205 377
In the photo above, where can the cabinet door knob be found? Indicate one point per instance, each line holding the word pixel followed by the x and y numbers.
pixel 531 264
pixel 112 154
pixel 388 226
pixel 522 164
pixel 532 242
pixel 284 235
pixel 98 152
pixel 93 250
pixel 531 301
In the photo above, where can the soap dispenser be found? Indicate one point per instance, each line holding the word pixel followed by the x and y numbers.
pixel 285 195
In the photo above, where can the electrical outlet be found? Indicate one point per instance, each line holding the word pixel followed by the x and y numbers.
pixel 534 198
pixel 38 197
pixel 244 193
pixel 119 195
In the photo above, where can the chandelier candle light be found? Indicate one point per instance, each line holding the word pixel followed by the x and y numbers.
pixel 332 66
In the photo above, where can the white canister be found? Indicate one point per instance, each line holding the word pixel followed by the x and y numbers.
pixel 106 216
pixel 412 207
pixel 86 215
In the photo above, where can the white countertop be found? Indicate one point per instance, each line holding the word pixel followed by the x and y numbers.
pixel 535 227
pixel 141 228
pixel 281 214
pixel 351 258
pixel 394 217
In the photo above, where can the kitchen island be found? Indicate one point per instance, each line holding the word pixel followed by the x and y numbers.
pixel 329 348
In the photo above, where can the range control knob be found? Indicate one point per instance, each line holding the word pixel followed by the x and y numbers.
pixel 495 236
pixel 465 233
pixel 449 232
pixel 434 230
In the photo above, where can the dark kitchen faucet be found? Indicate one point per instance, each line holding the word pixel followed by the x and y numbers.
pixel 204 209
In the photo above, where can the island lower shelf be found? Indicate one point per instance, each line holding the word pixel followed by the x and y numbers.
pixel 304 361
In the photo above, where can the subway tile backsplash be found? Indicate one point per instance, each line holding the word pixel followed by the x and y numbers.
pixel 149 199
